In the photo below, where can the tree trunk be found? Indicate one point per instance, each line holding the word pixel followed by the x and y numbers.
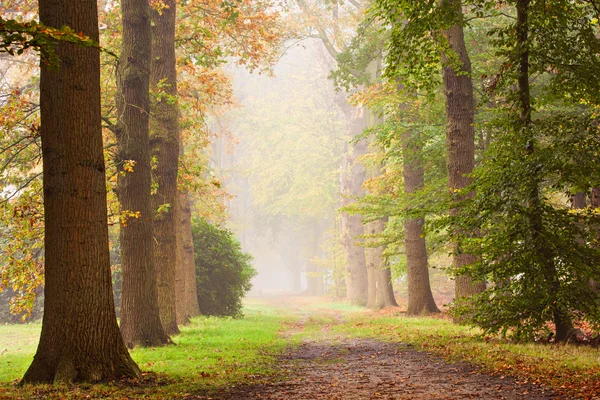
pixel 579 200
pixel 420 298
pixel 314 275
pixel 372 264
pixel 164 136
pixel 385 289
pixel 353 176
pixel 595 203
pixel 380 292
pixel 140 323
pixel 562 320
pixel 186 264
pixel 181 313
pixel 80 339
pixel 460 138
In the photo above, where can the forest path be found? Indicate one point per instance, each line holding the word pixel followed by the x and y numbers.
pixel 329 365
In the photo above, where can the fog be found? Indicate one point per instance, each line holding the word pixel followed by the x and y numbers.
pixel 283 172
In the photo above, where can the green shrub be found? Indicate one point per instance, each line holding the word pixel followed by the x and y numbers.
pixel 223 270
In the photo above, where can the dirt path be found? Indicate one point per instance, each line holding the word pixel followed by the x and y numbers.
pixel 368 369
pixel 326 367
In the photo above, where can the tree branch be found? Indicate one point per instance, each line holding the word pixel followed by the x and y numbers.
pixel 356 4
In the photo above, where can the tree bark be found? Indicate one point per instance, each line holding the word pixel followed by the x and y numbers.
pixel 80 339
pixel 186 265
pixel 373 263
pixel 579 200
pixel 181 313
pixel 562 320
pixel 460 137
pixel 140 323
pixel 595 203
pixel 380 292
pixel 385 289
pixel 420 298
pixel 353 176
pixel 164 141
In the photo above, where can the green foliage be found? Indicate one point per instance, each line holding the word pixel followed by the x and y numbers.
pixel 16 37
pixel 416 45
pixel 223 270
pixel 541 258
pixel 354 61
pixel 386 196
pixel 539 255
pixel 7 299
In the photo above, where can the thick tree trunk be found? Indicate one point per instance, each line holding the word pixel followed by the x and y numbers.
pixel 353 176
pixel 186 265
pixel 352 228
pixel 380 292
pixel 420 298
pixel 140 323
pixel 460 138
pixel 164 136
pixel 80 339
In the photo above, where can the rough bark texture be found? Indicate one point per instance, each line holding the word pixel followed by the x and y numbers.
pixel 164 143
pixel 140 323
pixel 420 298
pixel 188 303
pixel 353 176
pixel 460 138
pixel 80 339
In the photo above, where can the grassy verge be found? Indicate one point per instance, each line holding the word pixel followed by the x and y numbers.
pixel 211 353
pixel 17 346
pixel 572 369
pixel 214 353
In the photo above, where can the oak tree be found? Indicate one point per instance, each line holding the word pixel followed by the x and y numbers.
pixel 80 339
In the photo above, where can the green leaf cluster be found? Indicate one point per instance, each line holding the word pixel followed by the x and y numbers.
pixel 223 270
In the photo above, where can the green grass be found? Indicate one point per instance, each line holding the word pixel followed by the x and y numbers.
pixel 17 346
pixel 219 350
pixel 571 368
pixel 213 353
pixel 209 353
